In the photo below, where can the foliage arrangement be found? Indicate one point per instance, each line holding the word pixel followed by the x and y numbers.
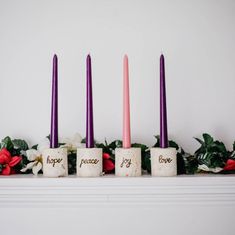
pixel 12 155
pixel 211 156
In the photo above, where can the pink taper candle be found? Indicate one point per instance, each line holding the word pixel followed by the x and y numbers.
pixel 126 138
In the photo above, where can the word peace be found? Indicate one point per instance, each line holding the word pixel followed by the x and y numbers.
pixel 88 161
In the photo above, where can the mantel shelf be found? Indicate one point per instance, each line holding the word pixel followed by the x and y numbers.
pixel 29 190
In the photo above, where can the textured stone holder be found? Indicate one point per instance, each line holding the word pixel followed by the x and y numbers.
pixel 89 162
pixel 128 162
pixel 163 161
pixel 55 162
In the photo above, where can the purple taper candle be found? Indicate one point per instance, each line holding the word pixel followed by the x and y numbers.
pixel 54 105
pixel 89 106
pixel 163 110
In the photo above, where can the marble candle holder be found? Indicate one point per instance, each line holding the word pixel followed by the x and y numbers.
pixel 128 162
pixel 55 162
pixel 89 162
pixel 163 161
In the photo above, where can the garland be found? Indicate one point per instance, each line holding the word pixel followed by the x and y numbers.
pixel 211 156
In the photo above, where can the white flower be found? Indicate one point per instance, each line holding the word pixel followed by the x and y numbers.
pixel 44 144
pixel 35 157
pixel 204 167
pixel 72 143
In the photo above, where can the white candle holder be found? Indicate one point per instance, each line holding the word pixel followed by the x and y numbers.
pixel 55 162
pixel 163 161
pixel 89 162
pixel 128 162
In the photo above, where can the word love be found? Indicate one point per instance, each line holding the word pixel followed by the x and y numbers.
pixel 126 162
pixel 89 161
pixel 53 161
pixel 164 160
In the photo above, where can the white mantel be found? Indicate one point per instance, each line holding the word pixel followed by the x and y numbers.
pixel 202 204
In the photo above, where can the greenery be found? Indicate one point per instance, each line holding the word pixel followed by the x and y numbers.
pixel 211 154
pixel 16 147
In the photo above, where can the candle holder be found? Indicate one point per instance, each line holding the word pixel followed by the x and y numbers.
pixel 55 162
pixel 128 162
pixel 163 161
pixel 89 162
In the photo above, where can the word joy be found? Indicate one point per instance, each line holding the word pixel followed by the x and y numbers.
pixel 126 162
pixel 164 160
pixel 53 161
pixel 89 161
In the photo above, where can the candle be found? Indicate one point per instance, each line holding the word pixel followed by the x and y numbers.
pixel 126 105
pixel 54 106
pixel 89 110
pixel 163 111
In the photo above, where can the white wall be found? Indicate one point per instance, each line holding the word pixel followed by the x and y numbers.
pixel 197 38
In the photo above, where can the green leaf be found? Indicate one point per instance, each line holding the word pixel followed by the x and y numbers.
pixel 157 144
pixel 220 147
pixel 232 155
pixel 199 140
pixel 207 138
pixel 7 143
pixel 234 146
pixel 35 146
pixel 191 163
pixel 118 143
pixel 146 161
pixel 20 144
pixel 173 144
pixel 72 162
pixel 1 168
pixel 106 143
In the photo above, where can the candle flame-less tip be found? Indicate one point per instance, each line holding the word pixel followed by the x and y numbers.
pixel 162 56
pixel 125 57
pixel 55 56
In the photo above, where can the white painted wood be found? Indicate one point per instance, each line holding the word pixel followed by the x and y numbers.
pixel 117 205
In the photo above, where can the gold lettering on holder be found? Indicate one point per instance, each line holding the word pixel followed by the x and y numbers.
pixel 88 161
pixel 53 161
pixel 166 160
pixel 126 162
